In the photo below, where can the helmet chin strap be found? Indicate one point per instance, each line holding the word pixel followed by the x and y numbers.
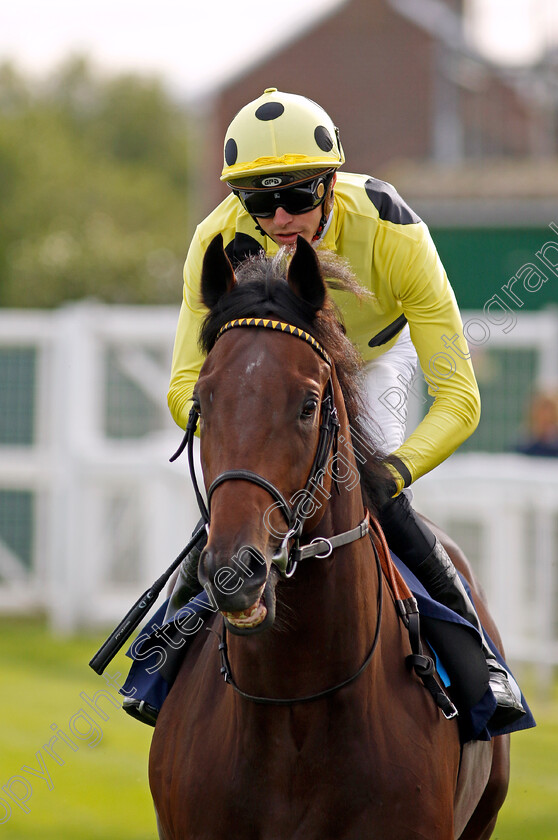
pixel 327 212
pixel 323 226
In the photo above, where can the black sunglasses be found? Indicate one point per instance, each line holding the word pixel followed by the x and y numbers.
pixel 300 198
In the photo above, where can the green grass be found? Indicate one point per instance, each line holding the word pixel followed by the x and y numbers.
pixel 101 789
pixel 530 811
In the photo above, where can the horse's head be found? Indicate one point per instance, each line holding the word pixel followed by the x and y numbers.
pixel 262 396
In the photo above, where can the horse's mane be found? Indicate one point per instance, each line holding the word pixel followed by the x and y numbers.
pixel 262 291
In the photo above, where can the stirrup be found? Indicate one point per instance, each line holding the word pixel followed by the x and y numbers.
pixel 509 708
pixel 140 710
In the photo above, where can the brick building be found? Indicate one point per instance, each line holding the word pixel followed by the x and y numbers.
pixel 401 81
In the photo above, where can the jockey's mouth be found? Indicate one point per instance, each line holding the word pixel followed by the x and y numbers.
pixel 286 238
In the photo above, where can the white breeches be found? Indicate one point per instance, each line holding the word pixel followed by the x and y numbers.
pixel 387 381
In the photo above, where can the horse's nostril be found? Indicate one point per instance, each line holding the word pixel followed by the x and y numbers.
pixel 202 566
pixel 250 561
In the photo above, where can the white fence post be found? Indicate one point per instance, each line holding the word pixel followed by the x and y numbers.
pixel 75 389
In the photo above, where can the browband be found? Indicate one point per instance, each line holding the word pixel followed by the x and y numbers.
pixel 269 324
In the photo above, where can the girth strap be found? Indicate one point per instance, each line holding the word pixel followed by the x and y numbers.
pixel 423 667
pixel 407 606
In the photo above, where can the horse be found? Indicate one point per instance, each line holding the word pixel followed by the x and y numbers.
pixel 318 729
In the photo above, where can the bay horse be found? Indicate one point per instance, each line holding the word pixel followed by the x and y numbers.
pixel 318 730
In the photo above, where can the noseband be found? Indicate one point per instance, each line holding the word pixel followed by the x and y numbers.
pixel 286 558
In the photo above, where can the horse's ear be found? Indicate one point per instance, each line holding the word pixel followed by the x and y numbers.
pixel 217 278
pixel 305 276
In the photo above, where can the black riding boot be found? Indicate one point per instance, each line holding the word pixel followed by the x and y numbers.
pixel 415 544
pixel 187 585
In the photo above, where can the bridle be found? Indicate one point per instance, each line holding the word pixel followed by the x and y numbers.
pixel 287 557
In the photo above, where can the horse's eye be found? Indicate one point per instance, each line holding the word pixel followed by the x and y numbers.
pixel 309 407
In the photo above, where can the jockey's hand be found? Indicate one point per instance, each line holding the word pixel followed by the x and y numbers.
pixel 398 482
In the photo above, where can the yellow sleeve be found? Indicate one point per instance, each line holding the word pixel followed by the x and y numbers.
pixel 187 359
pixel 231 221
pixel 419 281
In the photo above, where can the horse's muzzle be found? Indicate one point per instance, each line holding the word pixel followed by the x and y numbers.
pixel 241 588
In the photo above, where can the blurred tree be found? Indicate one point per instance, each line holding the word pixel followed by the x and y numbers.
pixel 93 189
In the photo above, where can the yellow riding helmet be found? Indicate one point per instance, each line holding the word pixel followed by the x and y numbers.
pixel 280 132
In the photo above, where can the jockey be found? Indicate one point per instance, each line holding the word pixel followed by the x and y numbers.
pixel 282 154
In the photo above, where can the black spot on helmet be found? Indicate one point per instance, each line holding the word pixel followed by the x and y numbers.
pixel 323 138
pixel 270 111
pixel 231 152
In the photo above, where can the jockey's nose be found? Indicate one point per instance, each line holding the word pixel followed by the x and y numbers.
pixel 281 217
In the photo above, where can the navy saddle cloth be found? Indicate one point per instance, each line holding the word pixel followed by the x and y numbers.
pixel 159 649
